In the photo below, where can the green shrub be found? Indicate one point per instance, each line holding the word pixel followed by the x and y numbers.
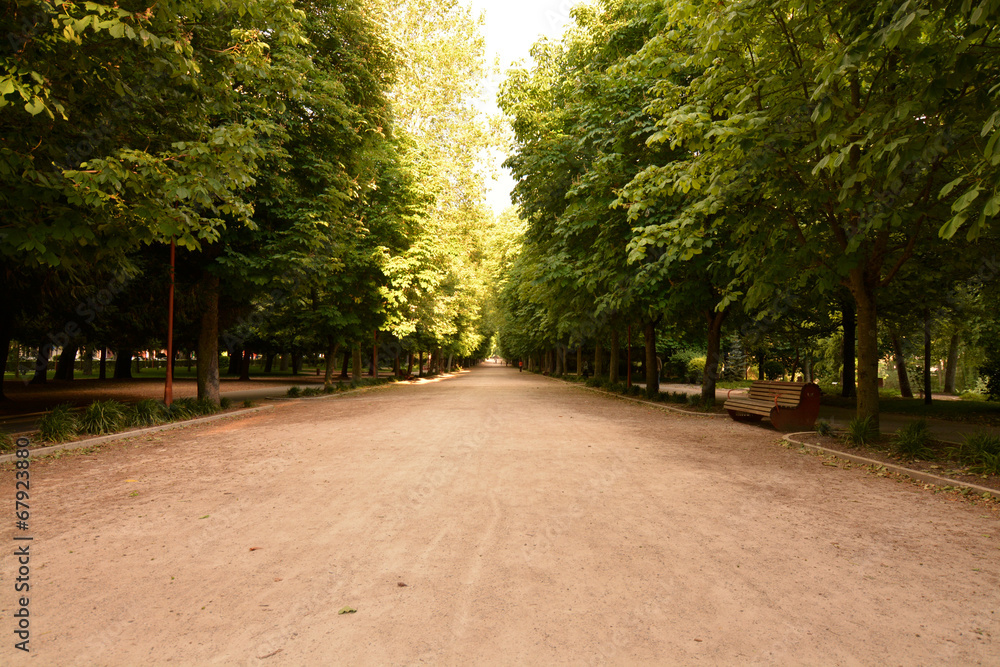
pixel 652 394
pixel 182 408
pixel 329 389
pixel 294 392
pixel 58 424
pixel 615 387
pixel 824 428
pixel 773 370
pixel 911 440
pixel 7 443
pixel 695 369
pixel 634 390
pixel 861 432
pixel 101 417
pixel 981 452
pixel 312 391
pixel 147 412
pixel 247 403
pixel 225 403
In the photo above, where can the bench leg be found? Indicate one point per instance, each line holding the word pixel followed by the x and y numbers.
pixel 744 417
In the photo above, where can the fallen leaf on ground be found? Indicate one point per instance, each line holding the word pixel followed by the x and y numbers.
pixel 347 610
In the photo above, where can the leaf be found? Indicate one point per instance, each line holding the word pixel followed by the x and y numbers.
pixel 35 106
pixel 949 187
pixel 117 30
pixel 347 610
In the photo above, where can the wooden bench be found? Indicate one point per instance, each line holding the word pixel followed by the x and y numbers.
pixel 789 405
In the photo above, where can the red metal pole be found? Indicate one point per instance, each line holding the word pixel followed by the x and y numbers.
pixel 168 391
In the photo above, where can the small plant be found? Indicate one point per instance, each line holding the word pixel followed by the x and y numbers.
pixel 981 452
pixel 293 392
pixel 861 431
pixel 225 403
pixel 824 428
pixel 206 406
pixel 679 397
pixel 694 400
pixel 312 391
pixel 652 394
pixel 247 403
pixel 147 412
pixel 58 424
pixel 911 440
pixel 7 443
pixel 634 390
pixel 101 417
pixel 329 389
pixel 182 408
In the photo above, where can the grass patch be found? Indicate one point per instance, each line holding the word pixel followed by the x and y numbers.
pixel 103 417
pixel 225 403
pixel 58 424
pixel 861 432
pixel 981 452
pixel 976 412
pixel 247 403
pixel 912 440
pixel 7 442
pixel 147 412
pixel 293 392
pixel 823 427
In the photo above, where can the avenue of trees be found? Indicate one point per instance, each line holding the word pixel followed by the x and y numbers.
pixel 766 181
pixel 314 162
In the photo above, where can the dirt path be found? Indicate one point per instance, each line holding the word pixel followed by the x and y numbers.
pixel 532 523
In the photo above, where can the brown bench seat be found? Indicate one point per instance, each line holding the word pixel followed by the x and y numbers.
pixel 789 405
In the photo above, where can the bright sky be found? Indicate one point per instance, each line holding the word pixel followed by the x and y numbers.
pixel 512 26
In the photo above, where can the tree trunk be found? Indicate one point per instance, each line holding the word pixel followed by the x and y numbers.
pixel 208 340
pixel 900 359
pixel 711 374
pixel 17 359
pixel 409 364
pixel 952 367
pixel 863 290
pixel 88 360
pixel 356 370
pixel 420 364
pixel 332 348
pixel 598 360
pixel 652 371
pixel 235 362
pixel 41 375
pixel 66 363
pixel 188 360
pixel 245 366
pixel 450 359
pixel 850 325
pixel 927 357
pixel 579 360
pixel 396 366
pixel 123 364
pixel 559 362
pixel 615 354
pixel 296 363
pixel 807 368
pixel 102 369
pixel 5 337
pixel 283 365
pixel 269 362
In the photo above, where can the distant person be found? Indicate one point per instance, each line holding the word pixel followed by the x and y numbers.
pixel 520 366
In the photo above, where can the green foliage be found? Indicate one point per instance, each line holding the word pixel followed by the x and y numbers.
pixel 225 403
pixel 861 432
pixel 823 427
pixel 312 391
pixel 58 424
pixel 773 369
pixel 912 439
pixel 294 392
pixel 980 451
pixel 188 408
pixel 101 417
pixel 147 412
pixel 695 369
pixel 247 403
pixel 7 442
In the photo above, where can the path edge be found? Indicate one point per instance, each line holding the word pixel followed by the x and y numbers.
pixel 917 475
pixel 90 442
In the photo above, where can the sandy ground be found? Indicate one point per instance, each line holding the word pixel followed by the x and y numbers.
pixel 531 522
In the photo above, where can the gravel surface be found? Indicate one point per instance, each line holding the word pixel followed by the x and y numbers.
pixel 493 517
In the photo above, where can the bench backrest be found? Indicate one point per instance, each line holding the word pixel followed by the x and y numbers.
pixel 788 393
